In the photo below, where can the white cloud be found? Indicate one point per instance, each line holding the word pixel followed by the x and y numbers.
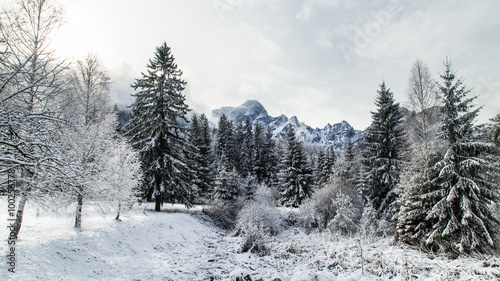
pixel 305 13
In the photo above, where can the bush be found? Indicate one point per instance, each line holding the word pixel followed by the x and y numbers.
pixel 260 215
pixel 321 211
pixel 224 214
pixel 258 219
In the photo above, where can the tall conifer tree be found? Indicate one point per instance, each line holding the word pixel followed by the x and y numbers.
pixel 384 141
pixel 155 130
pixel 461 218
pixel 295 179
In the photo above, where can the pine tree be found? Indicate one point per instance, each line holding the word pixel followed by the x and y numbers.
pixel 246 153
pixel 206 175
pixel 270 159
pixel 345 215
pixel 319 177
pixel 384 141
pixel 227 187
pixel 461 217
pixel 345 166
pixel 295 180
pixel 258 153
pixel 224 144
pixel 155 130
pixel 495 130
pixel 414 204
pixel 324 166
pixel 199 138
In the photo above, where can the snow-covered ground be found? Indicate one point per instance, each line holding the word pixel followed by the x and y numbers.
pixel 184 245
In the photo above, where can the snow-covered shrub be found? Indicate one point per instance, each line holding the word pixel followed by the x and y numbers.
pixel 224 214
pixel 321 209
pixel 260 215
pixel 254 242
pixel 258 219
pixel 318 210
pixel 344 220
pixel 369 225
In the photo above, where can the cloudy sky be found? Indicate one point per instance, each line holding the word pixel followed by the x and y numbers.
pixel 317 59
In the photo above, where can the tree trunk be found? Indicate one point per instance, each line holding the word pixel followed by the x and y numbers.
pixel 119 209
pixel 19 214
pixel 158 203
pixel 78 217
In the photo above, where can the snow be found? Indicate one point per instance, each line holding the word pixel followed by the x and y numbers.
pixel 182 244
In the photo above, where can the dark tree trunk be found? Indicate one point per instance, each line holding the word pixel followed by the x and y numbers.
pixel 78 217
pixel 158 204
pixel 119 209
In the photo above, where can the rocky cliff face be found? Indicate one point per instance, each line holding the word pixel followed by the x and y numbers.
pixel 335 135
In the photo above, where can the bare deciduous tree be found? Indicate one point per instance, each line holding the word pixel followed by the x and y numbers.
pixel 422 97
pixel 31 85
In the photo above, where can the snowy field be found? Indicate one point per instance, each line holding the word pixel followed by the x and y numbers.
pixel 184 245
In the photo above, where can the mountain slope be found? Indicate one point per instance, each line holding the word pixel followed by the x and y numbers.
pixel 335 135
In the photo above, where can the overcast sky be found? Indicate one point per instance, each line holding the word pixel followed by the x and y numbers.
pixel 317 59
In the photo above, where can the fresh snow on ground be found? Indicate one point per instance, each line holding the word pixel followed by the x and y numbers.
pixel 181 244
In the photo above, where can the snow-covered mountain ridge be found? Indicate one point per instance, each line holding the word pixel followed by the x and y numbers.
pixel 335 135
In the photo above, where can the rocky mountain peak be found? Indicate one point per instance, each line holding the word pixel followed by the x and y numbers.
pixel 335 135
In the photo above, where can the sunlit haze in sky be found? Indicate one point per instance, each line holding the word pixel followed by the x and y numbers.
pixel 320 60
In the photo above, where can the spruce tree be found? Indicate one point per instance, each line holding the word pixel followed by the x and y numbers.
pixel 206 175
pixel 270 158
pixel 319 177
pixel 201 159
pixel 414 203
pixel 258 153
pixel 246 153
pixel 295 179
pixel 345 167
pixel 224 144
pixel 461 217
pixel 495 129
pixel 325 162
pixel 155 130
pixel 384 142
pixel 227 187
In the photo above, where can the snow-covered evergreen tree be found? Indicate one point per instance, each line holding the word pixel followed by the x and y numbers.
pixel 258 153
pixel 325 163
pixel 270 158
pixel 224 144
pixel 249 185
pixel 495 129
pixel 199 136
pixel 155 130
pixel 227 186
pixel 461 217
pixel 295 179
pixel 345 167
pixel 384 142
pixel 414 204
pixel 246 160
pixel 344 220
